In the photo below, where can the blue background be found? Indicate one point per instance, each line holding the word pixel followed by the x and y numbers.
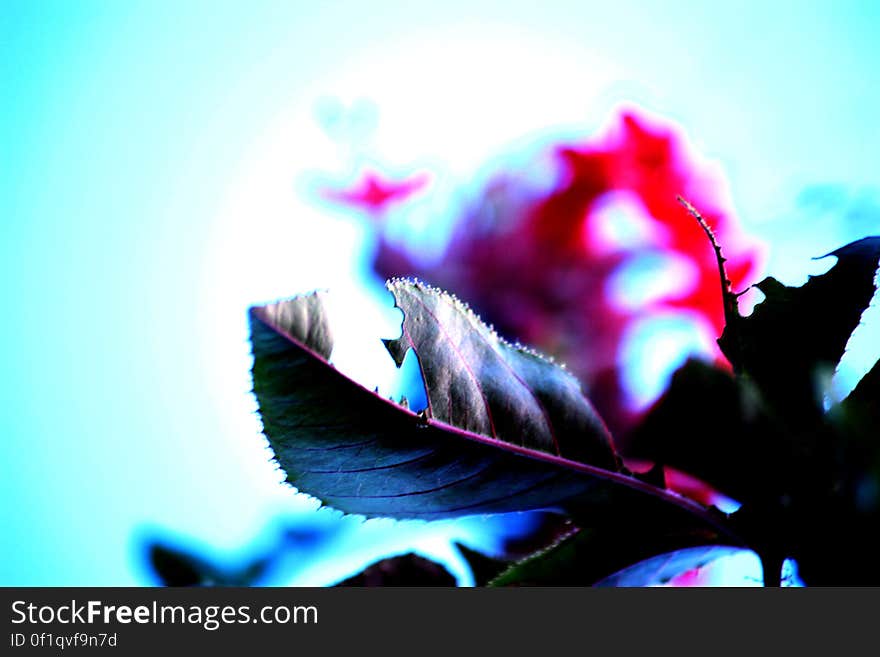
pixel 156 162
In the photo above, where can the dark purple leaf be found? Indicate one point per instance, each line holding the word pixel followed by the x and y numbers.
pixel 597 557
pixel 715 427
pixel 797 335
pixel 479 383
pixel 500 416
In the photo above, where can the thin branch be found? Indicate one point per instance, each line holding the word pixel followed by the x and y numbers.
pixel 731 308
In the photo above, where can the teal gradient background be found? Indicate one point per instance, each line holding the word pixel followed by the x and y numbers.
pixel 131 134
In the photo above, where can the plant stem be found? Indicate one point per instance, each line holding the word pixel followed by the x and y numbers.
pixel 731 308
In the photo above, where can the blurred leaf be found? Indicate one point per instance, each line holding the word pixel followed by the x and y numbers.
pixel 176 567
pixel 591 557
pixel 663 568
pixel 406 570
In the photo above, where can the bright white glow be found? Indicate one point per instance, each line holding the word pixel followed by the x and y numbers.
pixel 620 223
pixel 654 348
pixel 650 277
pixel 462 96
pixel 441 108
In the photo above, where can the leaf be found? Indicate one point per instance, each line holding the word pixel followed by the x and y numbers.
pixel 477 382
pixel 405 570
pixel 594 557
pixel 364 454
pixel 863 403
pixel 827 466
pixel 176 567
pixel 856 420
pixel 661 569
pixel 716 428
pixel 798 334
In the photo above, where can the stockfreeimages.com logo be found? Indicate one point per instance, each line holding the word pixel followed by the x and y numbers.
pixel 210 617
